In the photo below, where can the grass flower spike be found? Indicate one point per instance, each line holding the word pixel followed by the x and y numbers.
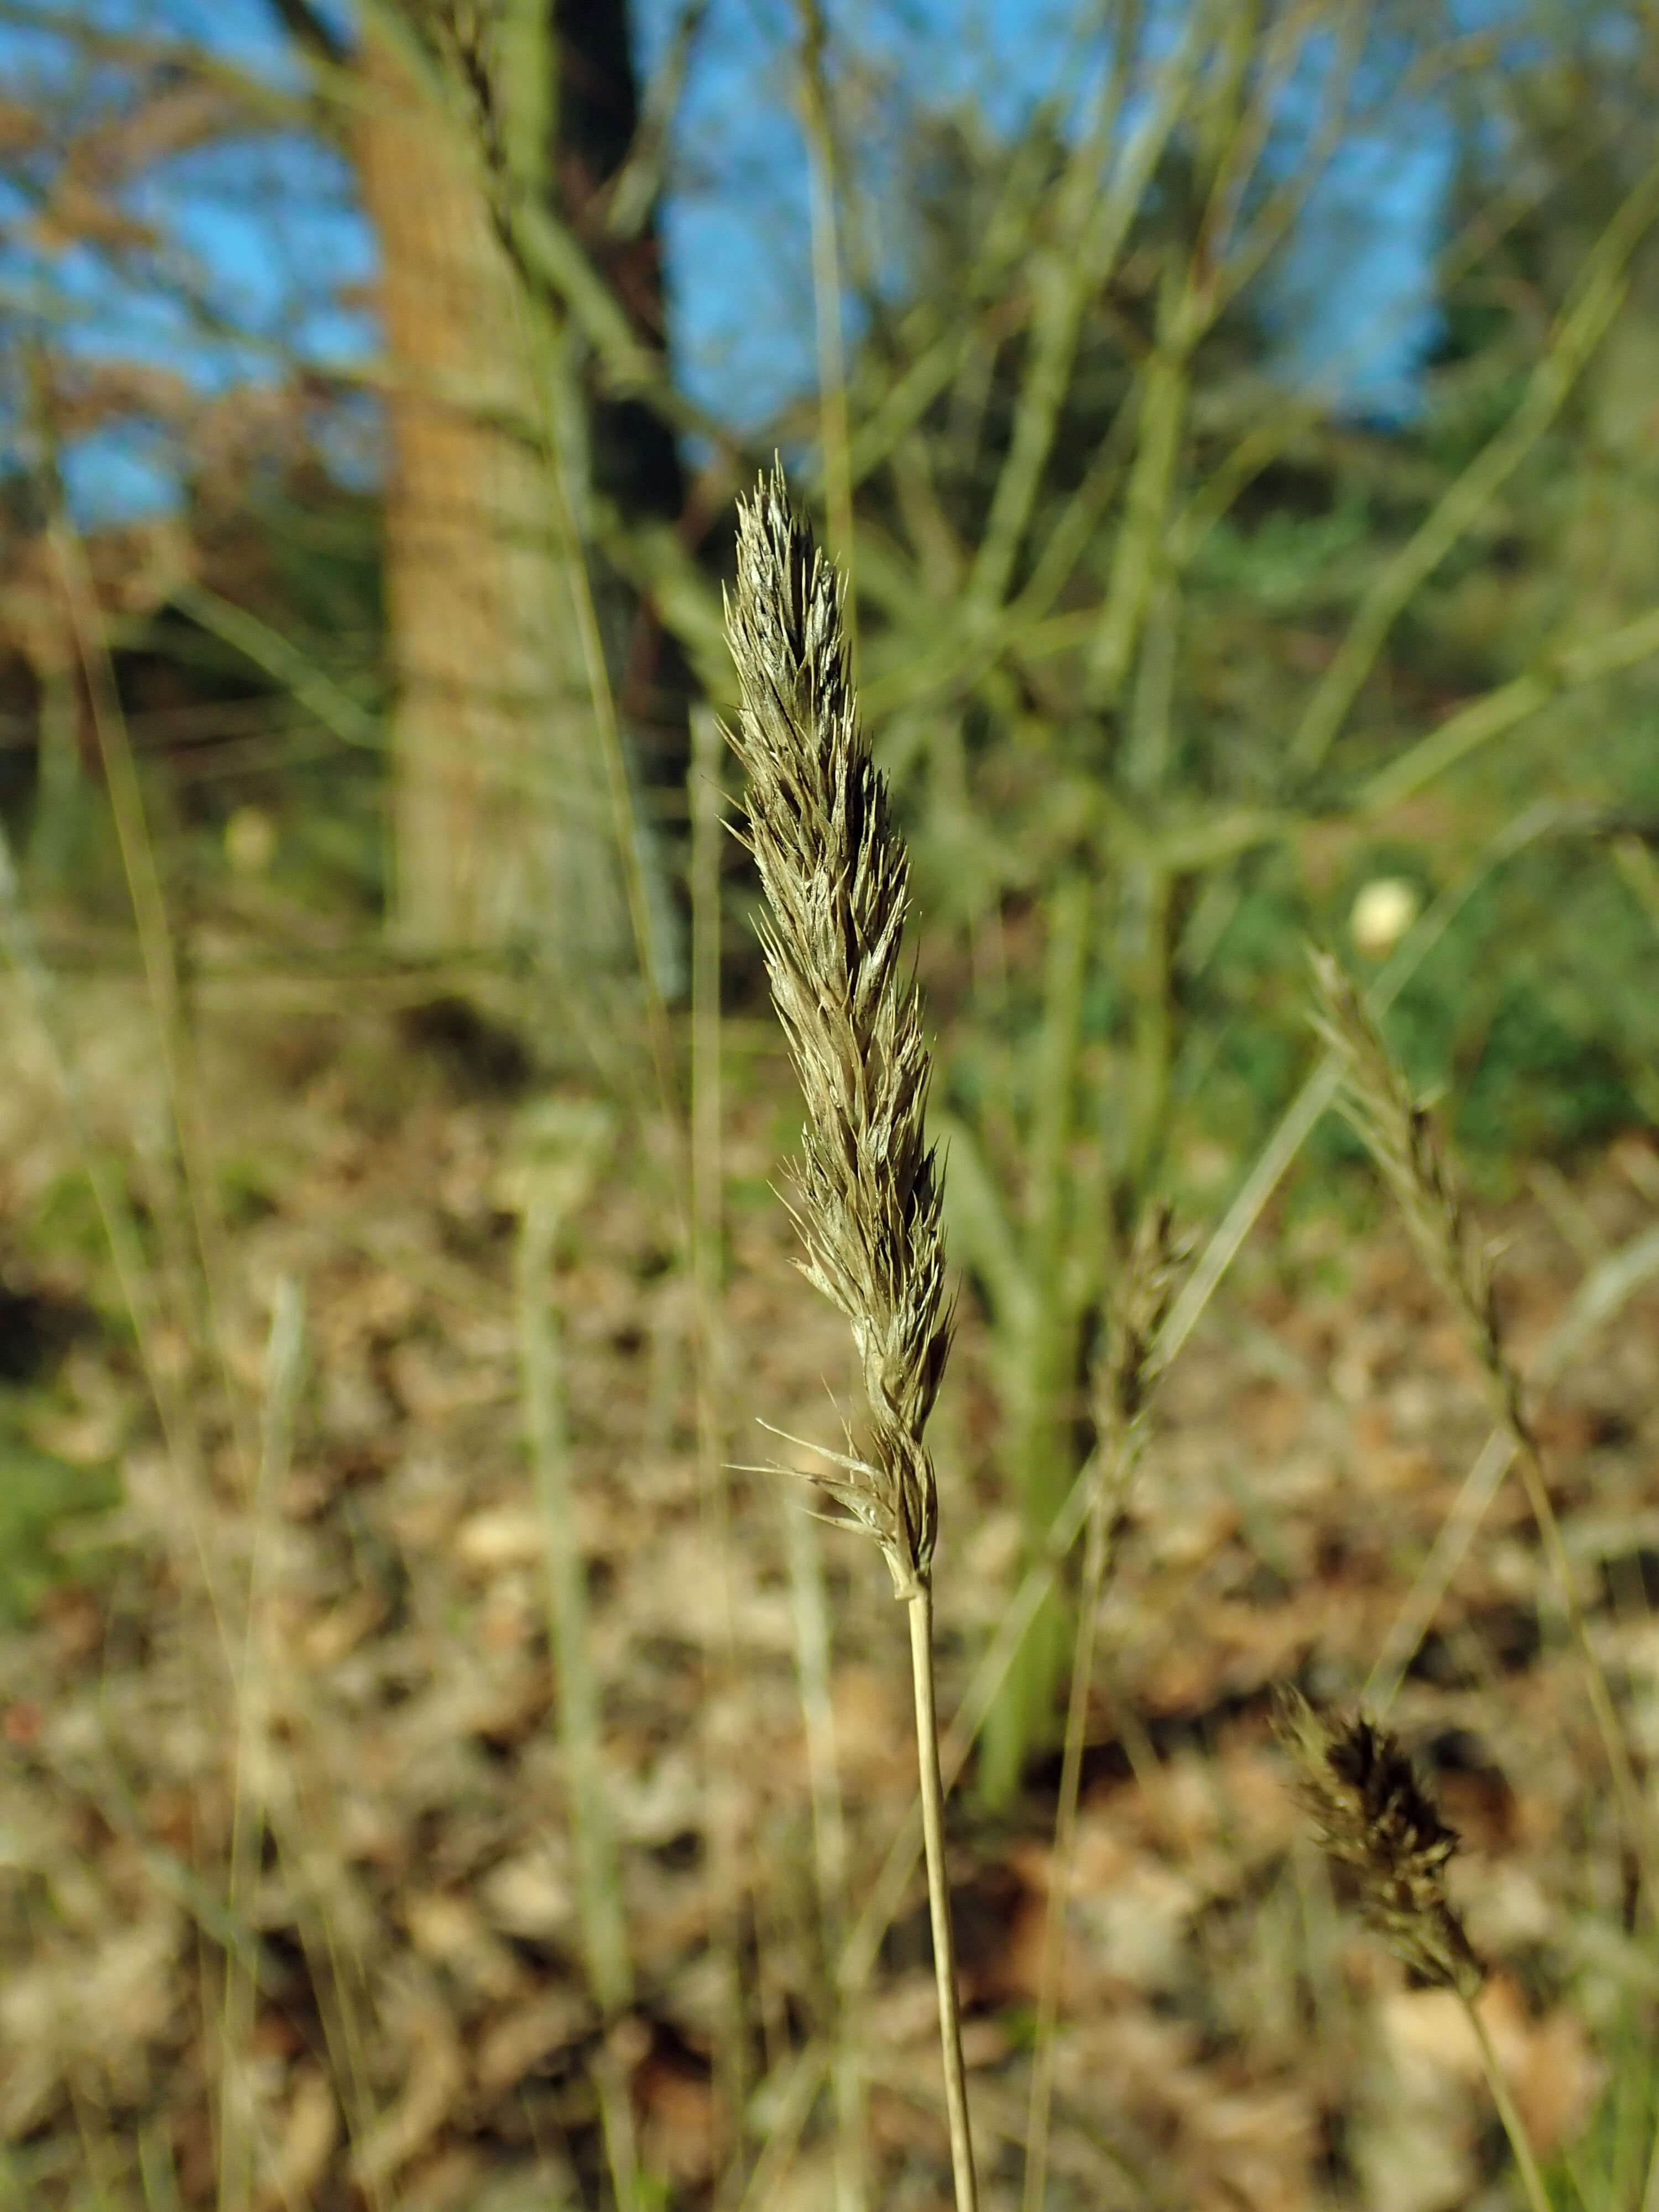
pixel 835 877
pixel 868 1188
pixel 1372 1815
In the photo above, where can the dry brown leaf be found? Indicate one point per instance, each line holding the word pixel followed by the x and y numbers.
pixel 435 2077
pixel 308 2132
pixel 522 2039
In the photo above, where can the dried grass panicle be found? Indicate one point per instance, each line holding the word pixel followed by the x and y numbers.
pixel 1372 1815
pixel 835 876
pixel 1399 1136
pixel 1127 1371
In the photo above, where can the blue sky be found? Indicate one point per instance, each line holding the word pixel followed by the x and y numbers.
pixel 268 235
pixel 736 233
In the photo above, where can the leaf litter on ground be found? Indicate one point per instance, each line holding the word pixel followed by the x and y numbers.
pixel 421 2035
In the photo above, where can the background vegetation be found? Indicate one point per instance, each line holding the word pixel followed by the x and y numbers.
pixel 438 1771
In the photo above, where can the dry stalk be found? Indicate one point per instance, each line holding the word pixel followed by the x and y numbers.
pixel 562 1147
pixel 284 1373
pixel 868 1186
pixel 1398 1133
pixel 1373 1816
pixel 1124 1378
pixel 834 432
pixel 706 806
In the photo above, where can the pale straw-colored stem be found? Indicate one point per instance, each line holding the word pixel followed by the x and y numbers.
pixel 920 1610
pixel 1650 2187
pixel 599 1880
pixel 1604 1292
pixel 1634 1815
pixel 792 2097
pixel 1059 1864
pixel 284 1371
pixel 1514 2126
pixel 707 805
pixel 834 431
pixel 622 2150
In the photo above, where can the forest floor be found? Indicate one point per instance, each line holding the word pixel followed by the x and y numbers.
pixel 416 2033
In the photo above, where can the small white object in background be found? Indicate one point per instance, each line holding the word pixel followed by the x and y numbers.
pixel 250 841
pixel 1384 910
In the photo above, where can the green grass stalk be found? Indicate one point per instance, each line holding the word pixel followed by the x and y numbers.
pixel 156 949
pixel 1038 1320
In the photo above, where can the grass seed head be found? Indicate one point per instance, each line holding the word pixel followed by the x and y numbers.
pixel 1136 1309
pixel 1400 1134
pixel 834 869
pixel 1372 1815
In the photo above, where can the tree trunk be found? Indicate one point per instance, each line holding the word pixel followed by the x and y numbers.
pixel 502 831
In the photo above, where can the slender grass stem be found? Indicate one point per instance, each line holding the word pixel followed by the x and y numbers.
pixel 1038 1320
pixel 134 1273
pixel 1514 2126
pixel 621 2151
pixel 920 1610
pixel 858 1954
pixel 1634 1815
pixel 1059 1864
pixel 156 951
pixel 812 1665
pixel 707 802
pixel 1650 2187
pixel 283 1374
pixel 834 433
pixel 1603 1294
pixel 598 1886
